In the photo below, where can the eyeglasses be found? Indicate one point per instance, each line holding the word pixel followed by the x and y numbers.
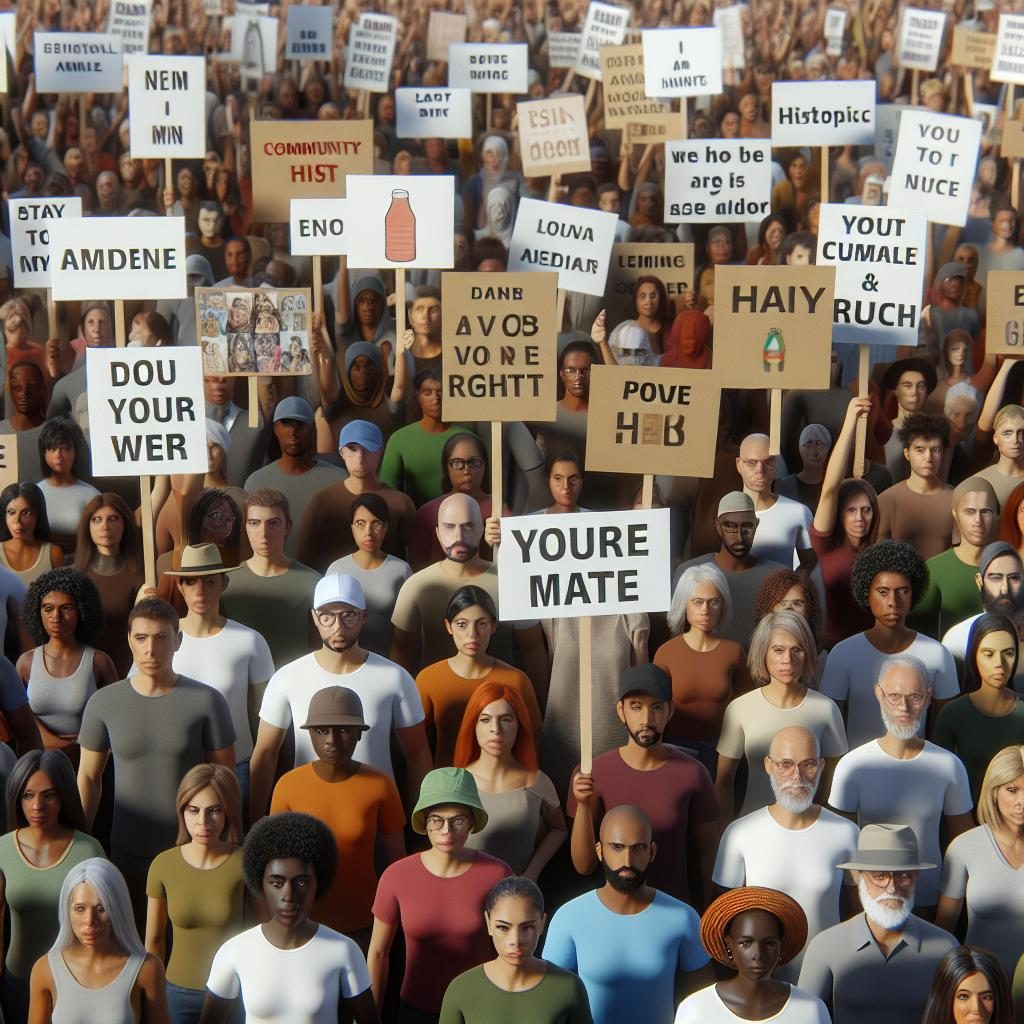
pixel 373 525
pixel 460 464
pixel 797 604
pixel 883 878
pixel 911 699
pixel 730 527
pixel 806 766
pixel 712 603
pixel 576 371
pixel 328 619
pixel 222 516
pixel 456 823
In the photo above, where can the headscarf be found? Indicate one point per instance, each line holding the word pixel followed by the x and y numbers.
pixel 372 395
pixel 369 283
pixel 500 207
pixel 631 345
pixel 686 344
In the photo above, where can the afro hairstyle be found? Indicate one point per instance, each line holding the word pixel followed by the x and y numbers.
pixel 888 556
pixel 79 588
pixel 290 834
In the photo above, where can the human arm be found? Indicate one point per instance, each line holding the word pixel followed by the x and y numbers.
pixel 838 461
pixel 947 914
pixel 269 739
pixel 24 729
pixel 216 1009
pixel 553 838
pixel 534 653
pixel 343 301
pixel 400 385
pixel 583 836
pixel 725 778
pixel 994 399
pixel 224 756
pixel 361 1008
pixel 103 669
pixel 393 845
pixel 599 336
pixel 957 824
pixel 41 993
pixel 807 558
pixel 381 940
pixel 323 360
pixel 90 781
pixel 416 749
pixel 706 840
pixel 153 986
pixel 403 648
pixel 156 926
pixel 688 982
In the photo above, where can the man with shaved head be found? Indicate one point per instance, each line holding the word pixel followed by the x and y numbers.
pixel 636 949
pixel 793 844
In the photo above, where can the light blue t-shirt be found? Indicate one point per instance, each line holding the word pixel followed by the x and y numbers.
pixel 627 962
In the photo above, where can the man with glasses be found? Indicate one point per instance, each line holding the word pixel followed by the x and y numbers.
pixel 903 777
pixel 388 694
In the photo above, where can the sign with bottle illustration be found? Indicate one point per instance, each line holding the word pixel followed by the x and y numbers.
pixel 400 220
pixel 773 326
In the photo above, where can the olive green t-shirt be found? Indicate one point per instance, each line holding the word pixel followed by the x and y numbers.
pixel 560 998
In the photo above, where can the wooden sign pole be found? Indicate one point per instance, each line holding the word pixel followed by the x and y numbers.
pixel 399 306
pixel 589 97
pixel 647 491
pixel 915 79
pixel 824 174
pixel 488 101
pixel 254 403
pixel 775 421
pixel 497 470
pixel 560 310
pixel 169 182
pixel 51 314
pixel 861 435
pixel 969 92
pixel 586 694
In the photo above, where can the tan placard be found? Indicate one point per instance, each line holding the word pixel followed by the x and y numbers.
pixel 1004 306
pixel 670 262
pixel 1012 145
pixel 667 128
pixel 553 136
pixel 8 459
pixel 625 102
pixel 773 326
pixel 443 29
pixel 499 350
pixel 652 419
pixel 972 49
pixel 305 160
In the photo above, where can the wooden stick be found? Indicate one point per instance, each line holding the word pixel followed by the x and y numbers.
pixel 81 117
pixel 568 80
pixel 586 685
pixel 1015 183
pixel 148 545
pixel 497 469
pixel 169 180
pixel 119 339
pixel 589 97
pixel 254 403
pixel 969 92
pixel 775 421
pixel 647 491
pixel 318 285
pixel 488 111
pixel 399 307
pixel 51 314
pixel 684 116
pixel 560 310
pixel 824 174
pixel 915 78
pixel 1009 101
pixel 861 435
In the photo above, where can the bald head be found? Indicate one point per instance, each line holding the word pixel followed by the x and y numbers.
pixel 626 825
pixel 459 527
pixel 794 743
pixel 755 466
pixel 794 768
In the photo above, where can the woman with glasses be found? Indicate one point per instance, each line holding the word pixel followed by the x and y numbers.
pixel 791 590
pixel 569 431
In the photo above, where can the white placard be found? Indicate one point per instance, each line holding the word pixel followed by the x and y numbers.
pixel 729 21
pixel 253 43
pixel 30 236
pixel 371 51
pixel 823 113
pixel 718 181
pixel 605 26
pixel 118 258
pixel 9 32
pixel 77 62
pixel 879 256
pixel 920 39
pixel 129 21
pixel 423 113
pixel 381 231
pixel 572 240
pixel 584 564
pixel 835 30
pixel 310 33
pixel 488 67
pixel 1008 60
pixel 147 413
pixel 887 129
pixel 167 103
pixel 936 156
pixel 318 227
pixel 682 61
pixel 564 49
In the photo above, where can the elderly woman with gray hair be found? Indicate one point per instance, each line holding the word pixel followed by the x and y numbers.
pixel 805 486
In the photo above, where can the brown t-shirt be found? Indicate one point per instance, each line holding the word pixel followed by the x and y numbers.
pixel 923 520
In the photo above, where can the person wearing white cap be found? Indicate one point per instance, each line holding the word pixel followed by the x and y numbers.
pixel 388 694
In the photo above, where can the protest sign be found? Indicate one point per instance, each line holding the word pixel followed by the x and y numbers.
pixel 129 21
pixel 305 160
pixel 254 44
pixel 655 129
pixel 499 349
pixel 920 39
pixel 717 181
pixel 564 49
pixel 972 49
pixel 1008 60
pixel 1012 144
pixel 670 262
pixel 584 564
pixel 682 61
pixel 317 227
pixel 434 113
pixel 1004 306
pixel 310 33
pixel 936 156
pixel 572 240
pixel 823 113
pixel 488 67
pixel 553 136
pixel 147 414
pixel 8 460
pixel 729 22
pixel 605 26
pixel 30 236
pixel 835 29
pixel 625 101
pixel 371 51
pixel 117 258
pixel 77 62
pixel 773 326
pixel 443 29
pixel 887 128
pixel 652 419
pixel 879 256
pixel 167 101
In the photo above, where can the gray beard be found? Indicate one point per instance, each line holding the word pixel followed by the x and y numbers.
pixel 885 917
pixel 788 798
pixel 900 732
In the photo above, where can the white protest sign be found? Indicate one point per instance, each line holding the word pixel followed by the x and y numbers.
pixel 920 39
pixel 310 33
pixel 717 181
pixel 488 67
pixel 936 156
pixel 129 21
pixel 835 29
pixel 439 113
pixel 825 113
pixel 729 21
pixel 147 413
pixel 564 49
pixel 605 26
pixel 118 258
pixel 682 61
pixel 371 51
pixel 167 101
pixel 30 236
pixel 1008 60
pixel 575 241
pixel 584 564
pixel 77 62
pixel 887 128
pixel 879 256
pixel 8 32
pixel 318 227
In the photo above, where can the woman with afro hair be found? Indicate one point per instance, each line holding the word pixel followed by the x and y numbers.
pixel 290 968
pixel 887 580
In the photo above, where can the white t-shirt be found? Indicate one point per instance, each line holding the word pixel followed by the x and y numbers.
pixel 389 695
pixel 289 986
pixel 852 671
pixel 880 788
pixel 782 530
pixel 757 850
pixel 705 1007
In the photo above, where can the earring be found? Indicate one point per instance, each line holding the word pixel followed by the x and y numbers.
pixel 728 952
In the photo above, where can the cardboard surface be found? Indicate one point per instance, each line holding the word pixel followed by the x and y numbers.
pixel 1004 306
pixel 443 29
pixel 670 262
pixel 625 102
pixel 972 49
pixel 553 136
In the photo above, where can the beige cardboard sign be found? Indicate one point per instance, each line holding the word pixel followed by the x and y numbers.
pixel 1004 306
pixel 670 262
pixel 652 419
pixel 499 350
pixel 972 49
pixel 553 136
pixel 305 160
pixel 8 459
pixel 443 29
pixel 668 126
pixel 625 102
pixel 773 326
pixel 1012 145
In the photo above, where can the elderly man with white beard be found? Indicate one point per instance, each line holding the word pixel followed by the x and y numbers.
pixel 878 966
pixel 792 845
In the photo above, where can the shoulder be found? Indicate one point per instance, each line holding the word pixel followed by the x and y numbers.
pixel 575 910
pixel 150 973
pixel 493 867
pixel 669 909
pixel 837 823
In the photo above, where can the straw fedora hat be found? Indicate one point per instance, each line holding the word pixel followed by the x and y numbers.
pixel 201 560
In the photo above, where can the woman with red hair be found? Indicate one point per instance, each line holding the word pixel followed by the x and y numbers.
pixel 525 824
pixel 686 347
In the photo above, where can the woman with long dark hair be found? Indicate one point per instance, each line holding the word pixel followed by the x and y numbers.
pixel 26 548
pixel 969 985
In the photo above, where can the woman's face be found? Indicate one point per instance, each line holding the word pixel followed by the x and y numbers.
pixel 565 483
pixel 798 171
pixel 794 600
pixel 647 202
pixel 289 888
pixel 857 516
pixel 219 521
pixel 704 609
pixel 90 920
pixel 204 817
pixel 974 1000
pixel 731 125
pixel 453 822
pixel 813 452
pixel 515 925
pixel 812 215
pixel 491 159
pixel 402 164
pixel 21 519
pixel 995 657
pixel 756 943
pixel 106 528
pixel 73 161
pixel 40 802
pixel 186 183
pixel 748 108
pixel 1010 802
pixel 96 327
pixel 472 629
pixel 368 531
pixel 497 728
pixel 466 467
pixel 429 398
pixel 215 458
pixel 362 373
pixel 386 110
pixel 987 173
pixel 720 247
pixel 58 613
pixel 785 658
pixel 647 300
pixel 774 235
pixel 15 328
pixel 957 353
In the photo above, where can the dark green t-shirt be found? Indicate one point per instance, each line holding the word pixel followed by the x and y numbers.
pixel 951 597
pixel 560 998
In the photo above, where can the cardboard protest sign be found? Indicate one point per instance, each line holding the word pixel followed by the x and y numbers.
pixel 564 49
pixel 488 67
pixel 920 39
pixel 572 240
pixel 310 33
pixel 972 49
pixel 305 160
pixel 1004 306
pixel 879 257
pixel 729 22
pixel 682 61
pixel 670 262
pixel 317 227
pixel 30 236
pixel 1008 60
pixel 129 21
pixel 167 100
pixel 77 62
pixel 1012 144
pixel 652 419
pixel 147 413
pixel 499 350
pixel 443 29
pixel 605 26
pixel 717 181
pixel 553 136
pixel 667 127
pixel 936 156
pixel 371 52
pixel 254 330
pixel 773 326
pixel 117 258
pixel 584 564
pixel 8 460
pixel 824 113
pixel 434 113
pixel 625 101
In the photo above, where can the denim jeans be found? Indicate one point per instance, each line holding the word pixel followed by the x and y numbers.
pixel 185 1004
pixel 242 773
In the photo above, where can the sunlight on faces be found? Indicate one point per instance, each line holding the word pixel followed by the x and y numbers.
pixel 515 926
pixel 974 1000
pixel 204 817
pixel 497 728
pixel 1010 802
pixel 754 938
pixel 704 608
pixel 755 466
pixel 625 848
pixel 976 518
pixel 90 921
pixel 645 717
pixel 472 629
pixel 785 657
pixel 995 657
pixel 40 802
pixel 460 528
pixel 857 516
pixel 1001 589
pixel 794 768
pixel 887 902
pixel 889 598
pixel 903 697
pixel 267 529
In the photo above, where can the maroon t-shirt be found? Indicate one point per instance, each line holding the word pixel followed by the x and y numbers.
pixel 675 797
pixel 843 616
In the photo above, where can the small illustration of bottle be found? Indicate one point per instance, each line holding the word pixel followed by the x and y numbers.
pixel 400 229
pixel 773 352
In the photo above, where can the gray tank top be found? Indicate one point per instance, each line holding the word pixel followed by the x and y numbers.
pixel 76 1004
pixel 59 703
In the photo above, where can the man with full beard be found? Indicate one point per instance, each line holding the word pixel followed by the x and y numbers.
pixel 792 844
pixel 879 965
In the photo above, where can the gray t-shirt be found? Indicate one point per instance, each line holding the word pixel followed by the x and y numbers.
pixel 64 505
pixel 380 588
